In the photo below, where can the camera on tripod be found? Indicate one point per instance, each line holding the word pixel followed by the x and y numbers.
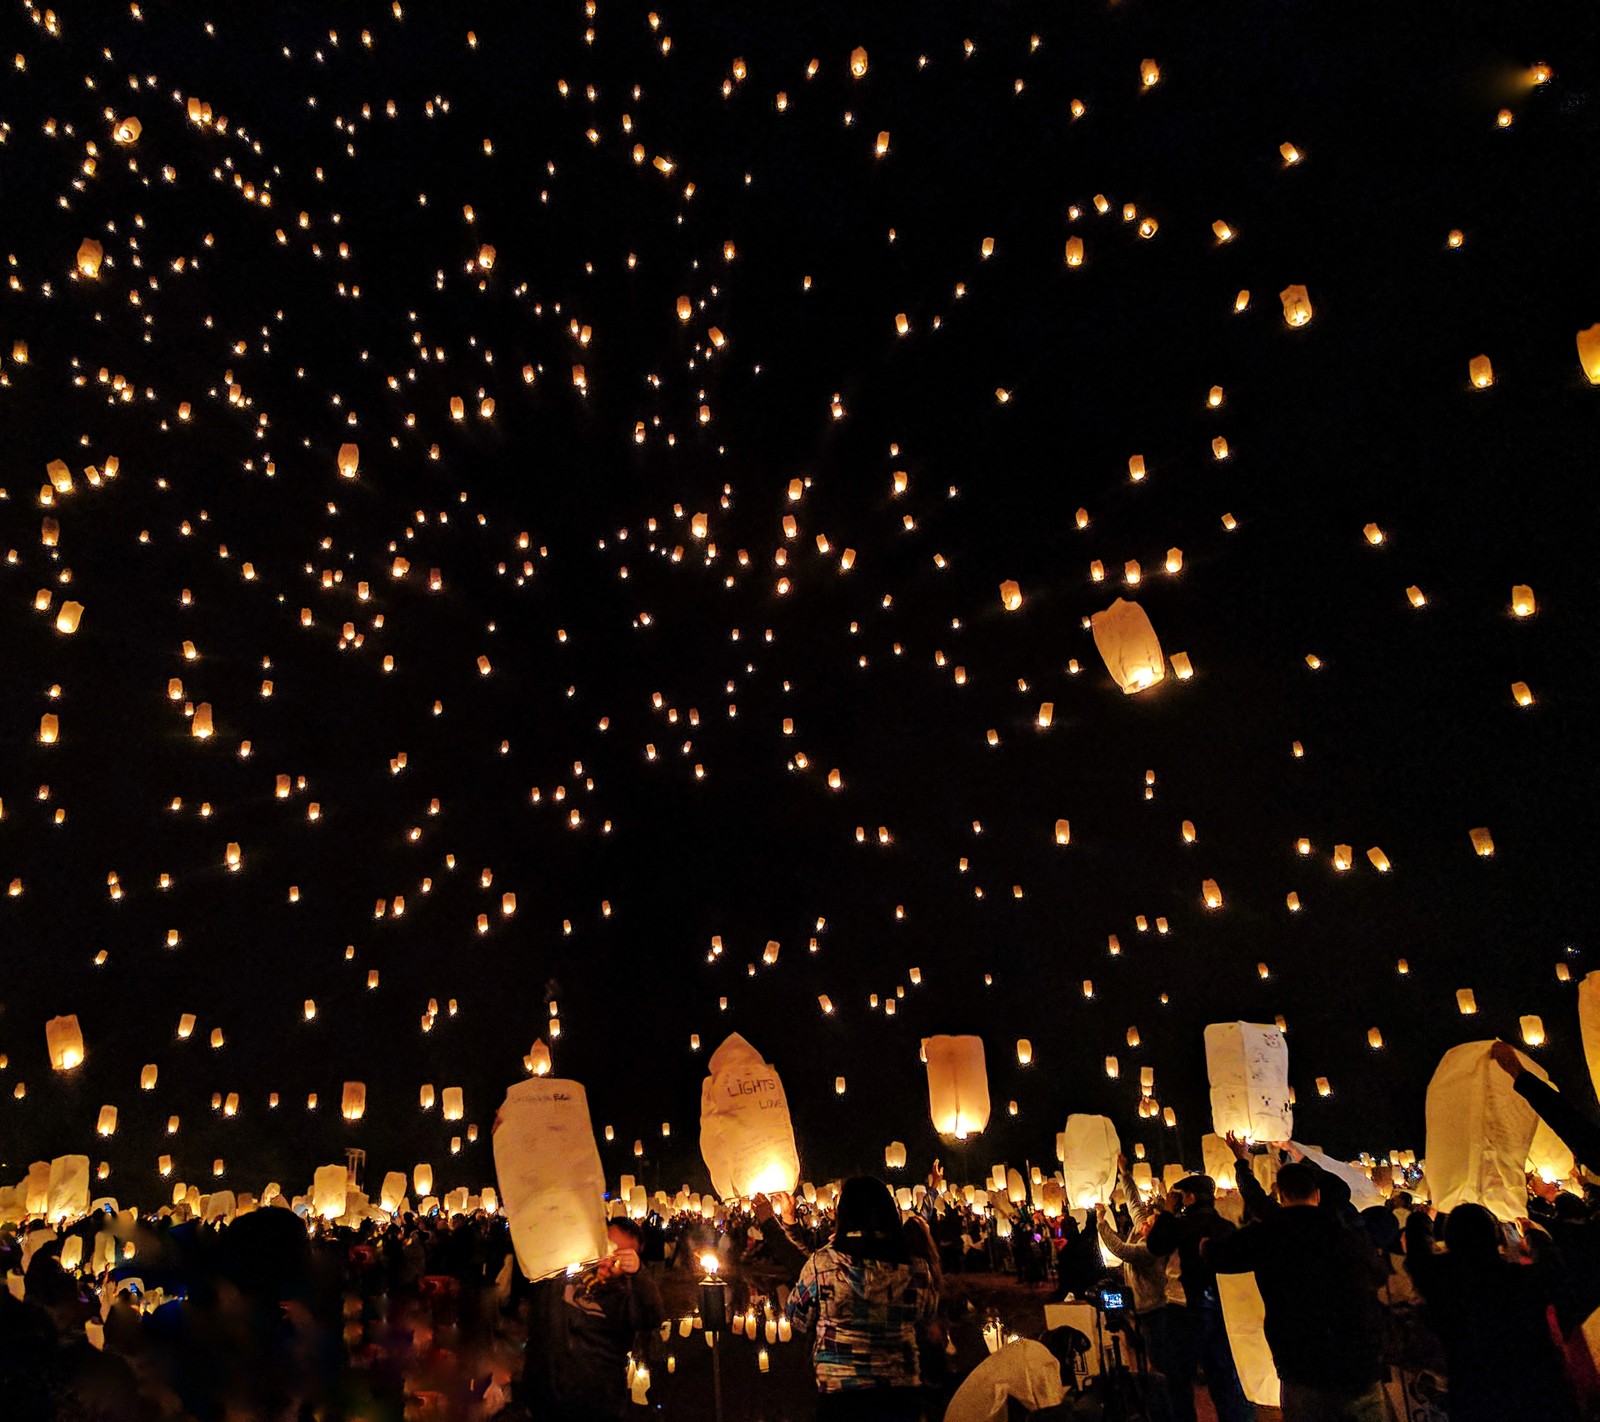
pixel 1112 1304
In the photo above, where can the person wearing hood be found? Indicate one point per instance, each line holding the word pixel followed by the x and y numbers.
pixel 867 1300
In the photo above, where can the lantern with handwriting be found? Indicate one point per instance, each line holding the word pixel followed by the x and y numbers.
pixel 1089 1150
pixel 1248 1067
pixel 1479 1133
pixel 958 1085
pixel 549 1176
pixel 746 1136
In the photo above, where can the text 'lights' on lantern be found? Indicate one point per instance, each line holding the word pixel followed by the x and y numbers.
pixel 746 1137
pixel 1128 644
pixel 1247 1064
pixel 64 1040
pixel 958 1085
pixel 1296 305
pixel 549 1176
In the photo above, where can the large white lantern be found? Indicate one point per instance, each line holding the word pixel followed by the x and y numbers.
pixel 1089 1150
pixel 1480 1132
pixel 547 1167
pixel 1248 1066
pixel 958 1085
pixel 1127 642
pixel 746 1135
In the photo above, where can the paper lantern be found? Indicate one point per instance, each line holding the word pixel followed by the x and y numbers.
pixel 548 1172
pixel 349 460
pixel 1244 1319
pixel 1074 251
pixel 147 1077
pixel 49 729
pixel 106 1123
pixel 1522 601
pixel 1063 832
pixel 90 255
pixel 1378 859
pixel 1149 73
pixel 894 1155
pixel 1296 305
pixel 353 1100
pixel 1024 1051
pixel 539 1059
pixel 1482 842
pixel 330 1187
pixel 486 256
pixel 1589 1023
pixel 66 1188
pixel 1127 642
pixel 858 61
pixel 1089 1151
pixel 1247 1064
pixel 838 1086
pixel 185 1025
pixel 1374 1038
pixel 422 1180
pixel 1211 894
pixel 454 1108
pixel 1532 1030
pixel 1466 1003
pixel 392 1192
pixel 68 618
pixel 64 1038
pixel 958 1085
pixel 1010 596
pixel 126 130
pixel 1589 353
pixel 1479 1132
pixel 746 1137
pixel 1343 857
pixel 1480 372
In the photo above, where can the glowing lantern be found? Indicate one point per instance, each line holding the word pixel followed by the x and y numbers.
pixel 49 729
pixel 201 725
pixel 1127 642
pixel 958 1085
pixel 1532 1030
pixel 353 1101
pixel 64 1039
pixel 1374 1038
pixel 894 1155
pixel 1522 601
pixel 1296 305
pixel 349 460
pixel 1378 859
pixel 1589 353
pixel 1466 1003
pixel 1343 857
pixel 425 1096
pixel 330 1187
pixel 90 254
pixel 126 130
pixel 746 1137
pixel 185 1026
pixel 422 1180
pixel 486 255
pixel 1248 1067
pixel 858 61
pixel 1010 596
pixel 1074 251
pixel 1482 842
pixel 1149 73
pixel 1089 1150
pixel 549 1176
pixel 454 1108
pixel 392 1191
pixel 68 618
pixel 1479 1133
pixel 1211 894
pixel 539 1059
pixel 147 1077
pixel 1024 1051
pixel 1480 372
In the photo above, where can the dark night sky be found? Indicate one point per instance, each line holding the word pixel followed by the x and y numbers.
pixel 1410 732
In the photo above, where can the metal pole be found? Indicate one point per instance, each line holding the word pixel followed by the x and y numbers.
pixel 716 1372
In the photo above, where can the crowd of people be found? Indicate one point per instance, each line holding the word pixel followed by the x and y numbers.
pixel 1375 1314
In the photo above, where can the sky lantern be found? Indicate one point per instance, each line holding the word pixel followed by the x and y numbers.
pixel 894 1155
pixel 68 618
pixel 1296 304
pixel 1089 1150
pixel 746 1138
pixel 958 1085
pixel 1149 73
pixel 539 1059
pixel 1010 596
pixel 549 1177
pixel 1024 1051
pixel 858 62
pixel 1247 1064
pixel 64 1039
pixel 126 130
pixel 1479 1132
pixel 1480 372
pixel 1523 603
pixel 1127 643
pixel 486 255
pixel 1482 842
pixel 353 1100
pixel 349 460
pixel 1589 353
pixel 90 255
pixel 453 1106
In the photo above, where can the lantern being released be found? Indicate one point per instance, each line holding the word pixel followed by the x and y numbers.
pixel 745 1133
pixel 1479 1133
pixel 548 1172
pixel 1248 1066
pixel 1089 1150
pixel 1125 639
pixel 958 1085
